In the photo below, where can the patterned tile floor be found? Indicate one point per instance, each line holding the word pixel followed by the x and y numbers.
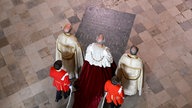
pixel 28 29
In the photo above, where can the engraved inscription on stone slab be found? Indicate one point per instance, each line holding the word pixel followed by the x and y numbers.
pixel 114 25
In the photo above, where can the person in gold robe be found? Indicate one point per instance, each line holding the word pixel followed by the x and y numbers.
pixel 130 71
pixel 69 51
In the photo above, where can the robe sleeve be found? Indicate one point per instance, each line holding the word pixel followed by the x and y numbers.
pixel 78 54
pixel 58 55
pixel 106 86
pixel 140 80
pixel 88 52
pixel 78 57
pixel 108 55
pixel 119 65
pixel 122 93
pixel 67 81
pixel 51 73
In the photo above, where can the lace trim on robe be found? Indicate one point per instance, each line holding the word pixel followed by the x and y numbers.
pixel 105 59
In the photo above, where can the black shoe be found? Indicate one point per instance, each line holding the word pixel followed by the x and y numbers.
pixel 57 100
pixel 66 94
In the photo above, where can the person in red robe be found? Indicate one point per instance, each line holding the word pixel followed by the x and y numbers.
pixel 61 80
pixel 98 67
pixel 115 94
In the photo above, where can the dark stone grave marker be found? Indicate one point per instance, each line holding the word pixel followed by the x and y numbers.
pixel 114 25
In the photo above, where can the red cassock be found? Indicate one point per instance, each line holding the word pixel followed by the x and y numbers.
pixel 61 85
pixel 90 85
pixel 115 93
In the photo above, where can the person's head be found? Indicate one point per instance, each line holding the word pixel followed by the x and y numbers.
pixel 115 80
pixel 133 50
pixel 67 28
pixel 57 65
pixel 100 39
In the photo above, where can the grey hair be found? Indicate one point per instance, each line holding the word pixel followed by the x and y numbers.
pixel 100 42
pixel 134 50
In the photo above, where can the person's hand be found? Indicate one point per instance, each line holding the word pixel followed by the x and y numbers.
pixel 71 86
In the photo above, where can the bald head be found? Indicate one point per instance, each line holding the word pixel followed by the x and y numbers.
pixel 134 50
pixel 67 28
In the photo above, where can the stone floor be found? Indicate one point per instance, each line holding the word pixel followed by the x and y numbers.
pixel 28 29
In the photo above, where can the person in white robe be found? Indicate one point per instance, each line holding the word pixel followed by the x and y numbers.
pixel 130 71
pixel 69 51
pixel 98 67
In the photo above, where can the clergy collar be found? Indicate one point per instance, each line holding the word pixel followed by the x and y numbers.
pixel 67 34
pixel 132 56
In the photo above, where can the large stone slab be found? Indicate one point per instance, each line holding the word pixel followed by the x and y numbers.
pixel 116 27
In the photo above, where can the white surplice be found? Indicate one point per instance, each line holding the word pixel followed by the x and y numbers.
pixel 69 51
pixel 130 71
pixel 100 57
